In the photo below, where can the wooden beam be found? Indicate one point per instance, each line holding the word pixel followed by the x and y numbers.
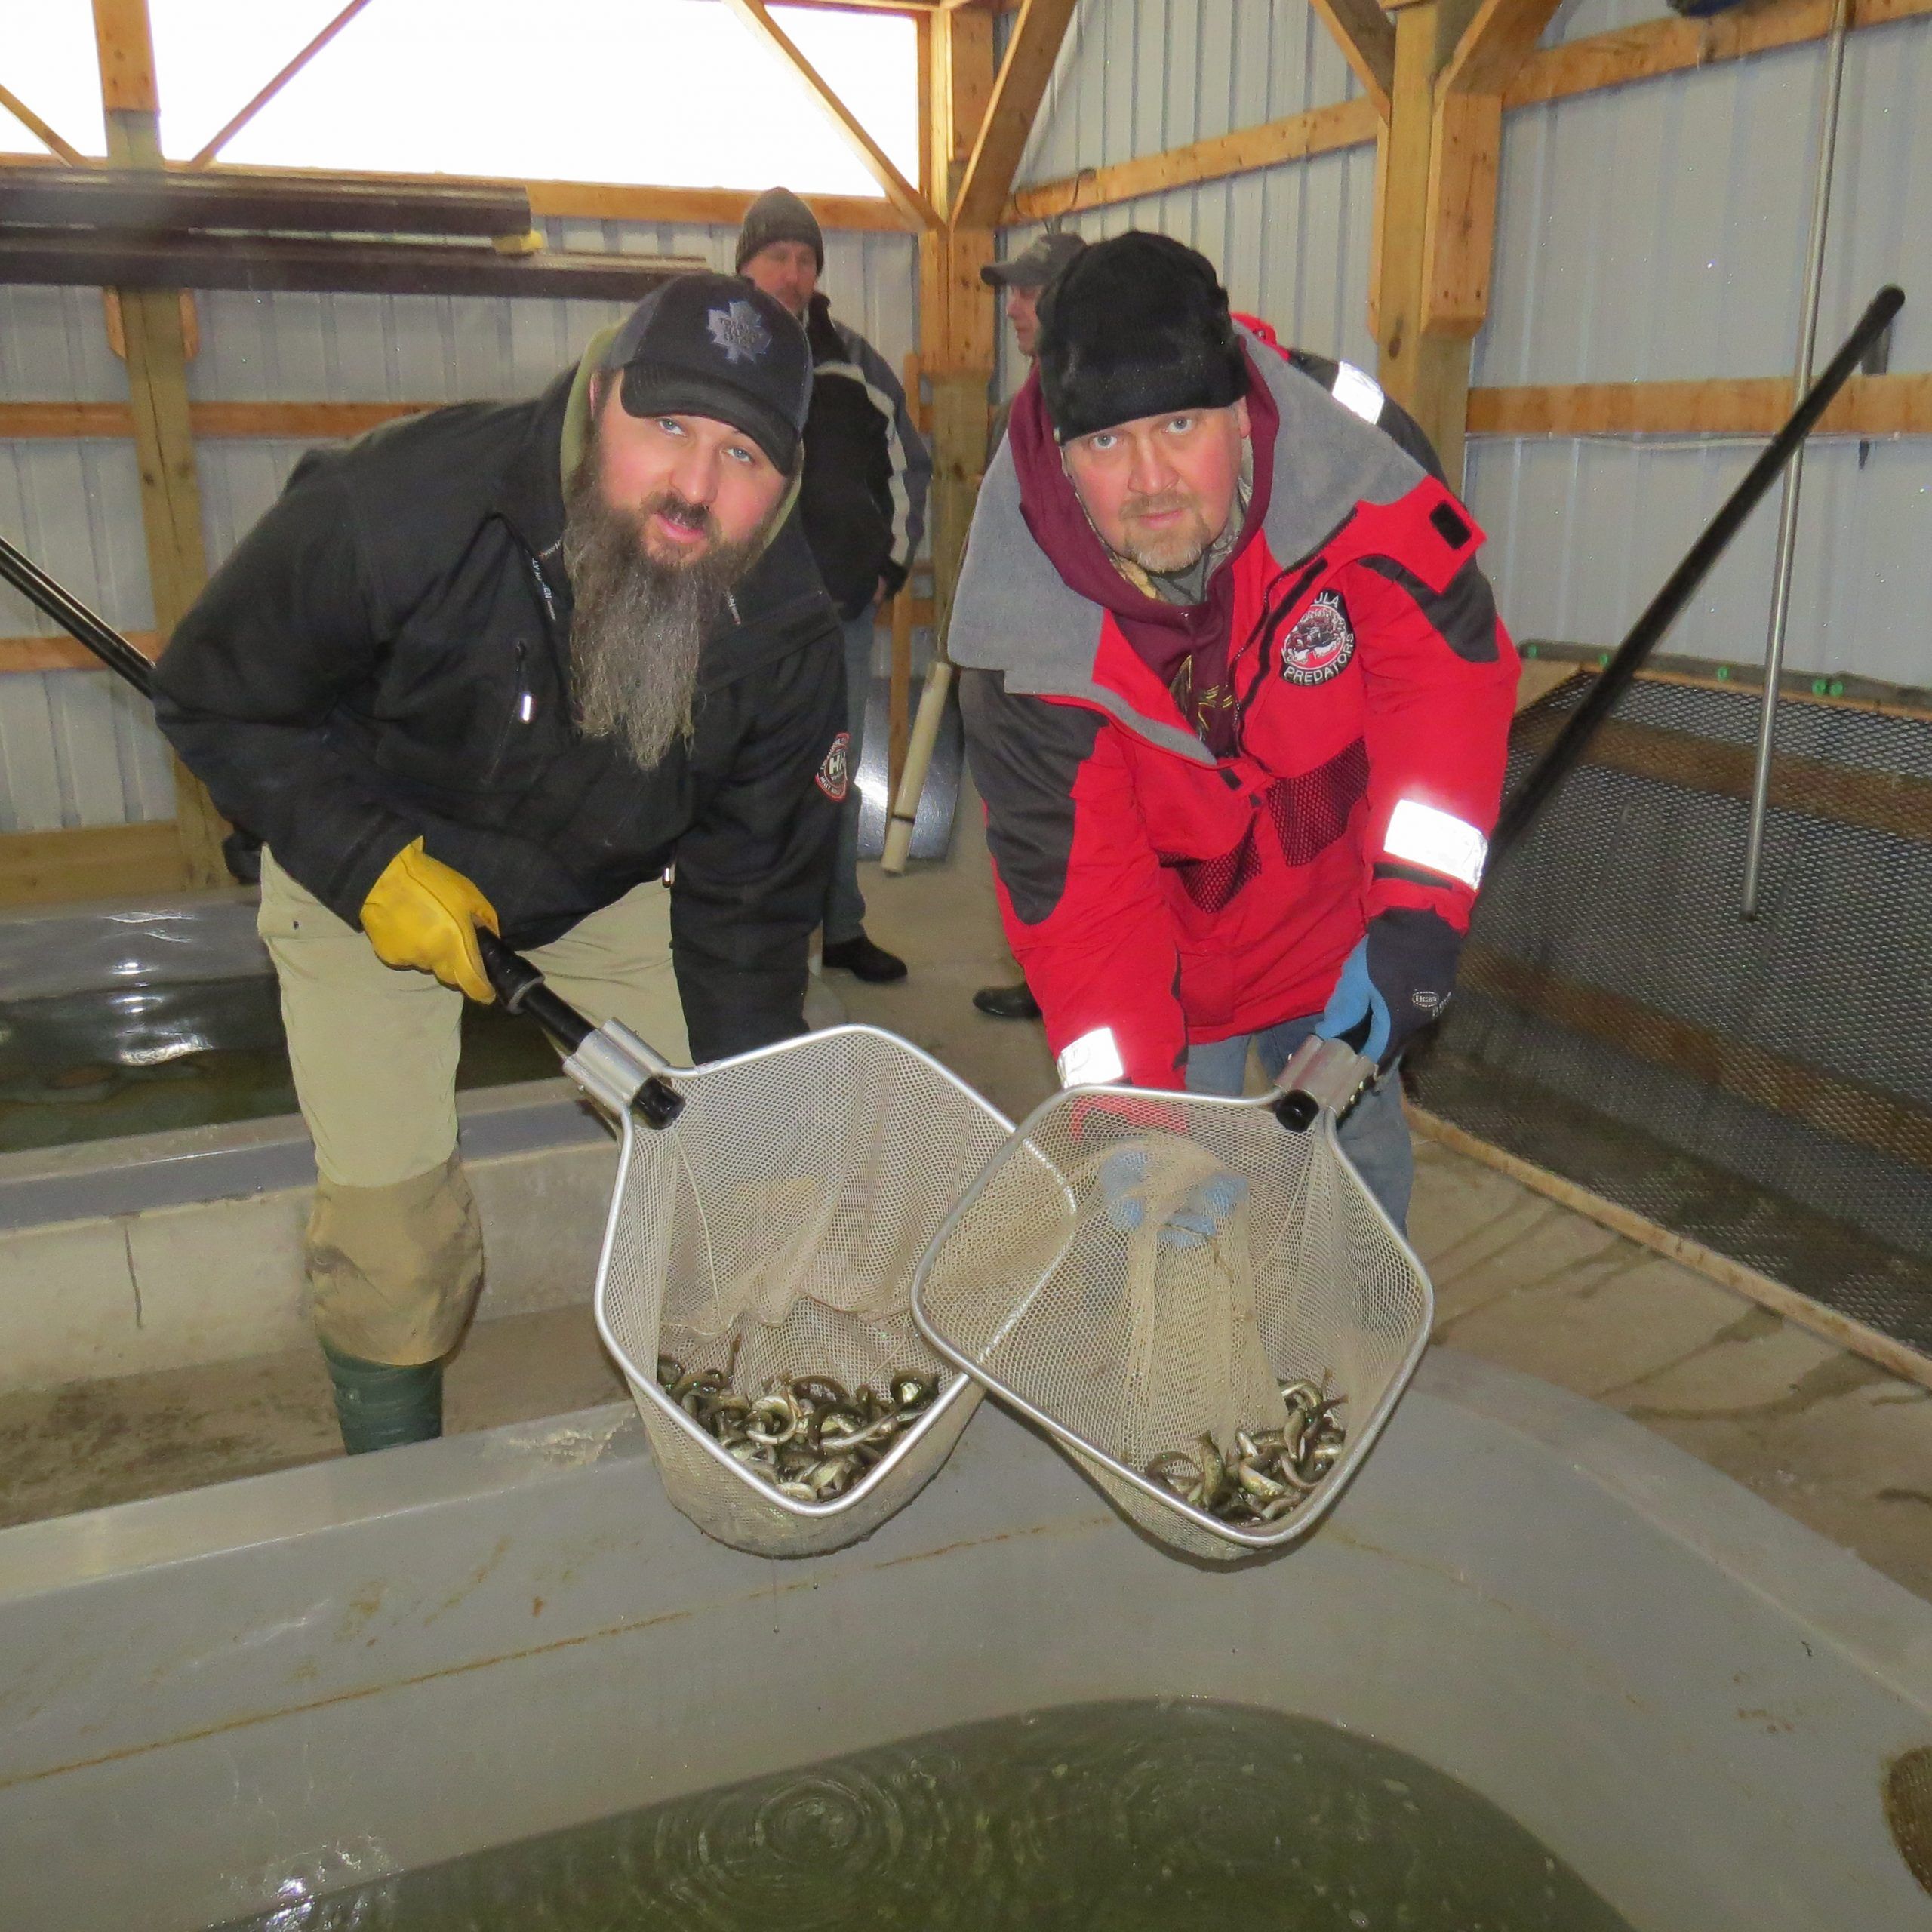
pixel 254 105
pixel 710 208
pixel 94 862
pixel 170 200
pixel 1890 802
pixel 125 45
pixel 1345 124
pixel 1031 52
pixel 1466 160
pixel 62 654
pixel 130 259
pixel 1867 406
pixel 1800 1309
pixel 1367 41
pixel 1499 38
pixel 1826 1103
pixel 1671 45
pixel 1427 371
pixel 39 129
pixel 156 353
pixel 899 191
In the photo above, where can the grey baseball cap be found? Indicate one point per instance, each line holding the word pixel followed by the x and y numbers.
pixel 1037 264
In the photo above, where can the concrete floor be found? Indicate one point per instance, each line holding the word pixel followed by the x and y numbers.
pixel 1828 1438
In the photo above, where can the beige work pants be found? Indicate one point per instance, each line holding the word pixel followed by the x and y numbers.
pixel 395 1249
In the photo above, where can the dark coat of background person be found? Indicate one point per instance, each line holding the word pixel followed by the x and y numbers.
pixel 866 466
pixel 386 655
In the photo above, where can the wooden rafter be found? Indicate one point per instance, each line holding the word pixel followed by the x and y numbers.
pixel 1022 83
pixel 902 194
pixel 1295 137
pixel 1496 42
pixel 39 129
pixel 1671 45
pixel 275 86
pixel 1367 41
pixel 1868 406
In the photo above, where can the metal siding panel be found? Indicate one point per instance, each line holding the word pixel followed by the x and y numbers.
pixel 54 347
pixel 1657 232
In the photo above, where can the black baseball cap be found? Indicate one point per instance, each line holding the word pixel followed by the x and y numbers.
pixel 1037 264
pixel 714 346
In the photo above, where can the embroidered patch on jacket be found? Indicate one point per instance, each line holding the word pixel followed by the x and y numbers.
pixel 1321 643
pixel 834 777
pixel 739 331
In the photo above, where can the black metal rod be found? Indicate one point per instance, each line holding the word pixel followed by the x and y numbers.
pixel 75 618
pixel 1520 809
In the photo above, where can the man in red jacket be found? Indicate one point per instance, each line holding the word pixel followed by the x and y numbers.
pixel 1235 696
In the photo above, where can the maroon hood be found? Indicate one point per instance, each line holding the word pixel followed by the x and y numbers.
pixel 1161 634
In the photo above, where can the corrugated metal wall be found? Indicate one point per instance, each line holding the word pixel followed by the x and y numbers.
pixel 1657 232
pixel 1136 76
pixel 76 748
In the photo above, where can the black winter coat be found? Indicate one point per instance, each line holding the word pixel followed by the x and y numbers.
pixel 385 656
pixel 863 493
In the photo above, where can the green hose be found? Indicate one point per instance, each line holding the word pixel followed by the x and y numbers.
pixel 379 1406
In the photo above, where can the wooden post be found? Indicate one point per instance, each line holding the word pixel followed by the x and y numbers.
pixel 1437 162
pixel 956 309
pixel 156 342
pixel 1428 375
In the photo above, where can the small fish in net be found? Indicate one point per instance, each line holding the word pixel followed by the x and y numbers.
pixel 806 1435
pixel 1264 1474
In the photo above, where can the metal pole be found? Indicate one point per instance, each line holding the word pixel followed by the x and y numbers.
pixel 1794 481
pixel 54 600
pixel 1522 805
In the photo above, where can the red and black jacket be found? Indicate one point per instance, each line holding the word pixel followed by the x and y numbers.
pixel 1158 895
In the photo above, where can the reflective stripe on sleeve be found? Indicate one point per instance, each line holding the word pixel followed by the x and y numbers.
pixel 1427 837
pixel 1092 1060
pixel 1355 389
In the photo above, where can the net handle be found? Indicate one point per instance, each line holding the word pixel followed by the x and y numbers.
pixel 1322 1076
pixel 520 987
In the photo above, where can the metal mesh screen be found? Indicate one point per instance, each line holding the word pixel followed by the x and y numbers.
pixel 1126 1345
pixel 774 1230
pixel 1765 1087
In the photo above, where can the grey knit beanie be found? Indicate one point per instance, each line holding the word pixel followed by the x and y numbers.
pixel 778 215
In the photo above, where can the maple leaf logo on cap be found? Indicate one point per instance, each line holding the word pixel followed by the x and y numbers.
pixel 739 331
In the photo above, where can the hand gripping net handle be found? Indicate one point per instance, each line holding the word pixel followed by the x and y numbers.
pixel 611 1064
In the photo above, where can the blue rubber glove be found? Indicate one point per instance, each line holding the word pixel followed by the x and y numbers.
pixel 1191 1225
pixel 1398 978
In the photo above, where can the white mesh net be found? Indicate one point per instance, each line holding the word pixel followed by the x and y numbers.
pixel 772 1231
pixel 1140 1271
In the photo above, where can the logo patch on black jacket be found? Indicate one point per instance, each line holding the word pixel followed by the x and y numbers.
pixel 1321 643
pixel 834 777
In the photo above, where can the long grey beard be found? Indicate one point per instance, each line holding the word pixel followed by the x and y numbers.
pixel 639 626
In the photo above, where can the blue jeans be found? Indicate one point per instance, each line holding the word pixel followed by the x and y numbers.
pixel 845 904
pixel 1375 1136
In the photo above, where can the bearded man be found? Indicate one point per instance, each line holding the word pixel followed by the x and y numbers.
pixel 517 666
pixel 1235 695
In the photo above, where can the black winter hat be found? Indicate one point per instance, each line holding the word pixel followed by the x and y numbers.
pixel 1133 327
pixel 712 345
pixel 778 215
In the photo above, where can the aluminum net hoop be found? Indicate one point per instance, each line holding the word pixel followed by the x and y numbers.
pixel 774 1229
pixel 1035 1289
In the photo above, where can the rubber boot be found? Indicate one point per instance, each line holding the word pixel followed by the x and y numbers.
pixel 379 1406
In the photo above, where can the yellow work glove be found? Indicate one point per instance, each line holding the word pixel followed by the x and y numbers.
pixel 422 913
